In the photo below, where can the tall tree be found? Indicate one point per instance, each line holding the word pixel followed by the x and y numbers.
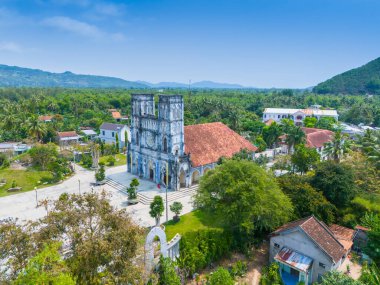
pixel 244 197
pixel 294 137
pixel 156 209
pixel 304 158
pixel 337 147
pixel 36 128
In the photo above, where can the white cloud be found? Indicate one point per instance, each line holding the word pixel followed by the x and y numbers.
pixel 108 9
pixel 74 26
pixel 10 47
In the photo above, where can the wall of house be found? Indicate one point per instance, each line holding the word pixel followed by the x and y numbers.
pixel 106 136
pixel 300 242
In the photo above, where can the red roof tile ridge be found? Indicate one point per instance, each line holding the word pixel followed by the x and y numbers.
pixel 295 223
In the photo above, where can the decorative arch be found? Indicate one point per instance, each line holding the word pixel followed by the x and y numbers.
pixel 207 169
pixel 195 177
pixel 151 171
pixel 182 179
pixel 149 254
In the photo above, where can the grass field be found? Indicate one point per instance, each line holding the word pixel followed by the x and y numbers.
pixel 120 159
pixel 27 179
pixel 192 221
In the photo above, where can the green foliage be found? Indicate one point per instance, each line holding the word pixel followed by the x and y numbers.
pixel 336 182
pixel 271 134
pixel 338 147
pixel 245 198
pixel 100 174
pixel 132 189
pixel 47 267
pixel 42 155
pixel 157 208
pixel 176 208
pixel 4 161
pixel 239 269
pixel 271 275
pixel 260 143
pixel 306 200
pixel 220 276
pixel 200 248
pixel 111 160
pixel 373 244
pixel 86 160
pixel 167 273
pixel 338 278
pixel 370 274
pixel 364 79
pixel 304 158
pixel 310 122
pixel 117 145
pixel 326 123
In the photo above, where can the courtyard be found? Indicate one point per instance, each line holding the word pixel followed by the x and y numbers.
pixel 23 205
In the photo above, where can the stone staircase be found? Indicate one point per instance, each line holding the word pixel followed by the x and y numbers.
pixel 146 200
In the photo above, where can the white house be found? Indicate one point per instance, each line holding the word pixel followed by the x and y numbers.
pixel 108 133
pixel 297 115
pixel 306 249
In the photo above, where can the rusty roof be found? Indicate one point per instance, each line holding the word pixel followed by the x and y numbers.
pixel 320 233
pixel 206 143
pixel 67 134
pixel 269 122
pixel 294 259
pixel 317 137
pixel 45 118
pixel 344 235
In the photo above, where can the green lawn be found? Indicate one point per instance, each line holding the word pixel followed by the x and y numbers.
pixel 192 221
pixel 27 179
pixel 120 159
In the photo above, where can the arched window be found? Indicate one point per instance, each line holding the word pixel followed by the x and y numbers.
pixel 165 145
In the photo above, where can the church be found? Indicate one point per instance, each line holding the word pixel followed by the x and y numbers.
pixel 160 143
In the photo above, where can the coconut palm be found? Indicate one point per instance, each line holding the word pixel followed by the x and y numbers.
pixel 36 128
pixel 337 147
pixel 294 137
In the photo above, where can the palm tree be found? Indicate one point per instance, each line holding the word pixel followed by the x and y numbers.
pixel 294 137
pixel 36 128
pixel 369 144
pixel 337 147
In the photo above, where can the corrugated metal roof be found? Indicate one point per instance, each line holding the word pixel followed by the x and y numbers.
pixel 294 259
pixel 308 111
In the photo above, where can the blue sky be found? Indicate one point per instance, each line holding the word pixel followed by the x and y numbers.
pixel 262 43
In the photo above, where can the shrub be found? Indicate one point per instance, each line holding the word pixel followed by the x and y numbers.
pixel 239 269
pixel 111 161
pixel 176 208
pixel 271 275
pixel 4 161
pixel 200 248
pixel 100 174
pixel 220 277
pixel 87 161
pixel 167 273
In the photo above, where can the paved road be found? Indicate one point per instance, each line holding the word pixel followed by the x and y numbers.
pixel 23 205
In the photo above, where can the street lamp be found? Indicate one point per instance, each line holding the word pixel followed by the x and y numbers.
pixel 35 189
pixel 79 185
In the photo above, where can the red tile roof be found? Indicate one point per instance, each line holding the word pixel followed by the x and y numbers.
pixel 269 122
pixel 45 118
pixel 116 115
pixel 344 235
pixel 206 143
pixel 364 229
pixel 67 134
pixel 317 137
pixel 320 234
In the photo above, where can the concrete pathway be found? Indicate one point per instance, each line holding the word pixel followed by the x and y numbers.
pixel 23 205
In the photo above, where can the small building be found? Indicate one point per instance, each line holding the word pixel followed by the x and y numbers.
pixel 307 248
pixel 89 133
pixel 14 148
pixel 66 139
pixel 46 118
pixel 108 133
pixel 314 138
pixel 297 115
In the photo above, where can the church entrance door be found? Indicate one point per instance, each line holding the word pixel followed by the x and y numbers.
pixel 151 174
pixel 182 179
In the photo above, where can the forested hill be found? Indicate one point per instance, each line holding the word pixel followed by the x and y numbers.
pixel 13 76
pixel 361 80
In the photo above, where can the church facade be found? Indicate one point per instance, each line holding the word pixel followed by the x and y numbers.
pixel 161 144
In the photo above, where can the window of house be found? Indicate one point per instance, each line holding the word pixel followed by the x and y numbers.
pixel 276 245
pixel 104 133
pixel 113 134
pixel 165 145
pixel 279 116
pixel 322 265
pixel 265 116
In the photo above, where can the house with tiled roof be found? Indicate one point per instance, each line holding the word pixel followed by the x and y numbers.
pixel 109 132
pixel 307 248
pixel 66 139
pixel 314 138
pixel 165 151
pixel 46 118
pixel 298 115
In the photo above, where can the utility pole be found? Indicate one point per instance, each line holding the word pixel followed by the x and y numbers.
pixel 166 194
pixel 79 185
pixel 35 189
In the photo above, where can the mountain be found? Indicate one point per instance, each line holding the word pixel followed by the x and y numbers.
pixel 361 80
pixel 200 84
pixel 14 76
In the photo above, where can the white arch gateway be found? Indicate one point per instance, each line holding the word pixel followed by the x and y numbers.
pixel 168 249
